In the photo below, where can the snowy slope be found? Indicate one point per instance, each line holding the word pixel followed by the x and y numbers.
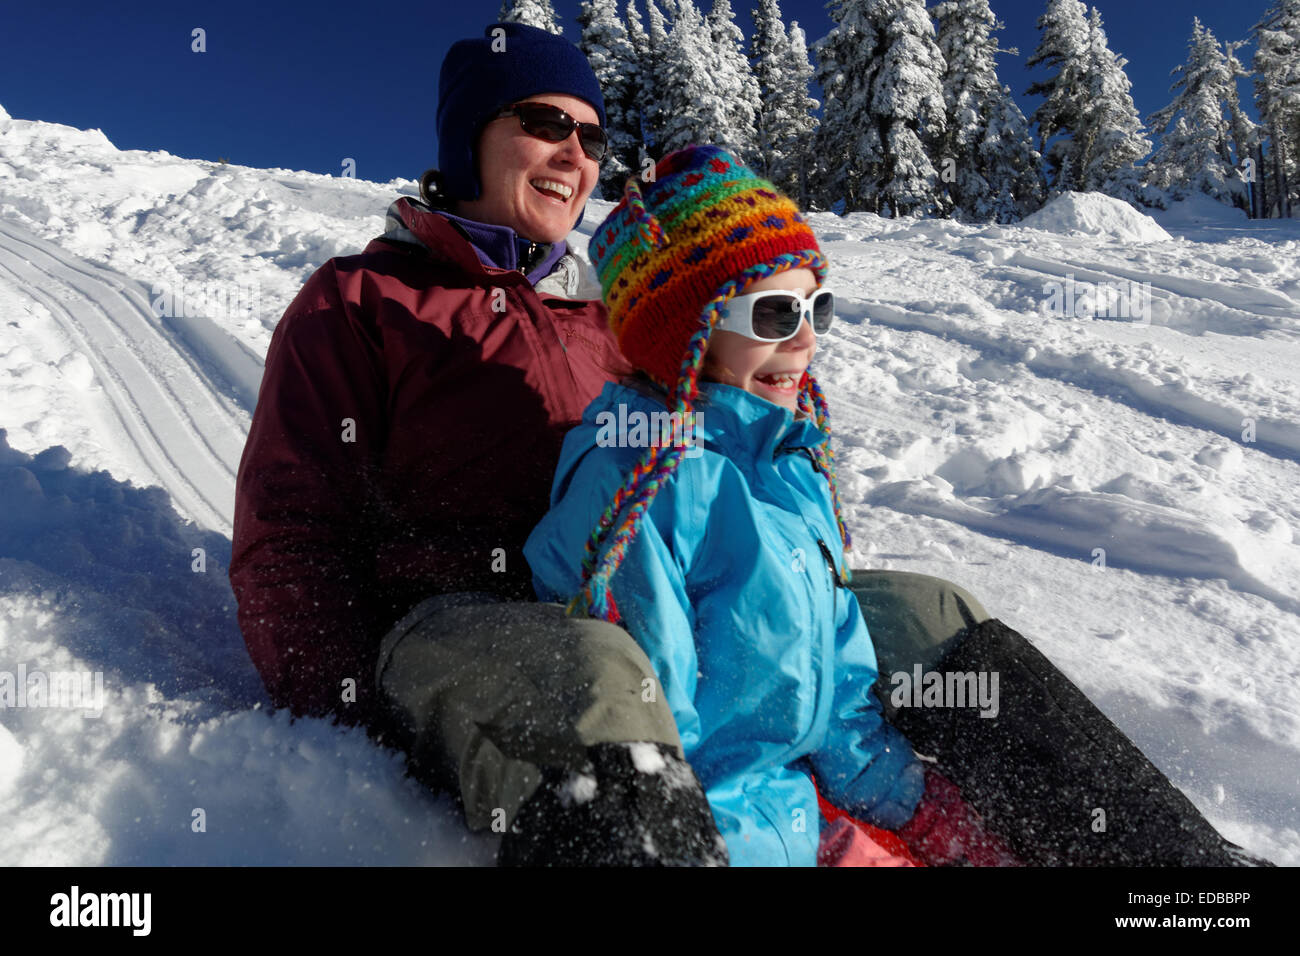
pixel 984 435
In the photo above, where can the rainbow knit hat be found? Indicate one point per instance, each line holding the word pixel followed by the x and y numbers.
pixel 669 256
pixel 668 248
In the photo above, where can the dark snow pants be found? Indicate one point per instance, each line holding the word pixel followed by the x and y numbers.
pixel 912 617
pixel 1047 770
pixel 486 692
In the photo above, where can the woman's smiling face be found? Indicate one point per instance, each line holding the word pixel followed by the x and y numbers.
pixel 535 187
pixel 770 370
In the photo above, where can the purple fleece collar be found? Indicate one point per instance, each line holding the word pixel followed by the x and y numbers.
pixel 500 246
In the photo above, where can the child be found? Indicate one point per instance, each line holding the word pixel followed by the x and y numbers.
pixel 718 543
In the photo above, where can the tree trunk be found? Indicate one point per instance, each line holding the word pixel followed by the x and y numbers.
pixel 1279 179
pixel 1261 180
pixel 1260 192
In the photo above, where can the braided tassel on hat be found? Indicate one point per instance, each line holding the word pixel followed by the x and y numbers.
pixel 651 233
pixel 669 256
pixel 657 465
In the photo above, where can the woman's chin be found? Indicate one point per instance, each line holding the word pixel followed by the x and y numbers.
pixel 550 222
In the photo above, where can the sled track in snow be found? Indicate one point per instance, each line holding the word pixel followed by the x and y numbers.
pixel 1189 544
pixel 163 396
pixel 1265 306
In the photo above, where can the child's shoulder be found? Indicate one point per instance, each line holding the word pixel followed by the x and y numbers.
pixel 617 430
pixel 627 419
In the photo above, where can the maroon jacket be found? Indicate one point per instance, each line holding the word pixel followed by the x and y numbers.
pixel 408 426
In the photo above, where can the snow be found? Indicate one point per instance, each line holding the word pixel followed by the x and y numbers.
pixel 1095 214
pixel 577 788
pixel 647 758
pixel 1120 490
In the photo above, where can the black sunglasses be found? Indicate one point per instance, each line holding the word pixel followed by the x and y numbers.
pixel 555 126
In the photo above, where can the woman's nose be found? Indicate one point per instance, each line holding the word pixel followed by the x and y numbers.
pixel 571 148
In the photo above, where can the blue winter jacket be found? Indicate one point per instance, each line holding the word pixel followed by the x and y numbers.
pixel 730 589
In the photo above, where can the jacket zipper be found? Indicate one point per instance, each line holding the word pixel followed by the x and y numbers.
pixel 835 579
pixel 825 695
pixel 523 271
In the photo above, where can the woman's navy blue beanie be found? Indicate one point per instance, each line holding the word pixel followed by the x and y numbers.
pixel 511 62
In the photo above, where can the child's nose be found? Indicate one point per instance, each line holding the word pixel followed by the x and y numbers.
pixel 805 337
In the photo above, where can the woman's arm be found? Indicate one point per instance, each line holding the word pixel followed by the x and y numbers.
pixel 300 564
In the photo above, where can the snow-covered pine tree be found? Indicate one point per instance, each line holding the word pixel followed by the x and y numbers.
pixel 987 159
pixel 1064 47
pixel 1245 132
pixel 1277 99
pixel 1088 106
pixel 658 29
pixel 604 41
pixel 1015 168
pixel 1195 154
pixel 693 108
pixel 535 13
pixel 882 75
pixel 655 82
pixel 736 84
pixel 907 104
pixel 641 78
pixel 767 47
pixel 801 113
pixel 786 123
pixel 1111 139
pixel 848 143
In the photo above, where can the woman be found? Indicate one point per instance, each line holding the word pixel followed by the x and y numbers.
pixel 411 414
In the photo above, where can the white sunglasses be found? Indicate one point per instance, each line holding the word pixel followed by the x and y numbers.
pixel 775 316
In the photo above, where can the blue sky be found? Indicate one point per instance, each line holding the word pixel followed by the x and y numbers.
pixel 304 85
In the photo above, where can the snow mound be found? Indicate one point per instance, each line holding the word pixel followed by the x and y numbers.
pixel 3 114
pixel 1096 215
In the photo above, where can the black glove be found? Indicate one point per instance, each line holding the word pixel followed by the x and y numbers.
pixel 635 804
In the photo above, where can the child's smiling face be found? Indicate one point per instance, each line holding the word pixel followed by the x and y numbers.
pixel 761 367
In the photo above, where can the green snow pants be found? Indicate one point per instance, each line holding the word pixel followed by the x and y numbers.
pixel 912 617
pixel 485 692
